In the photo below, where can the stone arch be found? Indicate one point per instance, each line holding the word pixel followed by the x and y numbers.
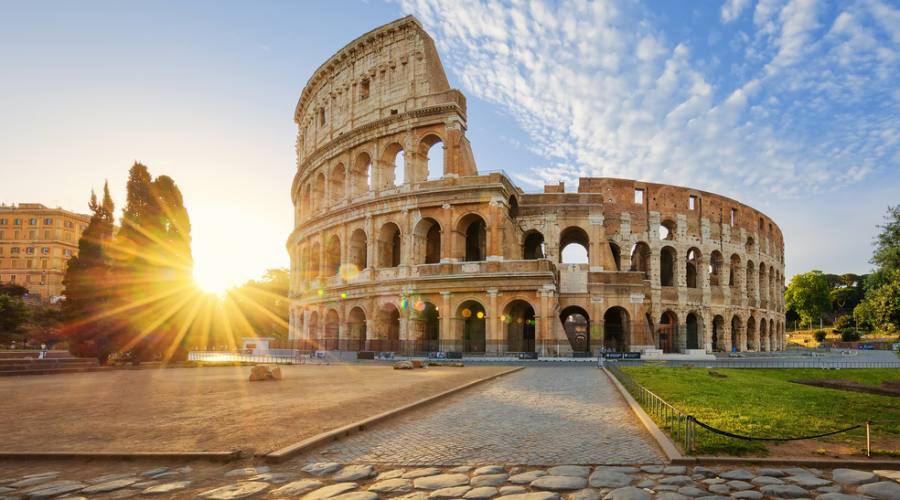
pixel 513 207
pixel 389 245
pixel 750 279
pixel 314 332
pixel 333 256
pixel 577 325
pixel 305 199
pixel 616 329
pixel 763 288
pixel 749 246
pixel 667 230
pixel 693 331
pixel 471 232
pixel 519 321
pixel 735 333
pixel 358 250
pixel 332 332
pixel 734 268
pixel 387 329
pixel 667 331
pixel 427 241
pixel 315 254
pixel 640 258
pixel 426 326
pixel 772 337
pixel 752 337
pixel 574 235
pixel 616 254
pixel 392 166
pixel 692 267
pixel 336 180
pixel 471 316
pixel 763 335
pixel 718 333
pixel 533 245
pixel 356 328
pixel 667 261
pixel 318 192
pixel 431 150
pixel 716 265
pixel 361 175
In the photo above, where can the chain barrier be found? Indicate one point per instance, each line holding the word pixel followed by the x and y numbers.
pixel 683 426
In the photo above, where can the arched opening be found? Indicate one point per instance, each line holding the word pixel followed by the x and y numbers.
pixel 332 330
pixel 718 334
pixel 693 334
pixel 356 329
pixel 431 150
pixel 336 183
pixel 692 264
pixel 393 166
pixel 387 329
pixel 333 256
pixel 749 245
pixel 667 266
pixel 314 332
pixel 472 316
pixel 389 245
pixel 513 203
pixel 616 254
pixel 763 282
pixel 573 245
pixel 305 199
pixel 426 325
pixel 752 339
pixel 358 251
pixel 667 331
pixel 732 272
pixel 667 230
pixel 533 247
pixel 750 278
pixel 577 325
pixel 474 231
pixel 318 193
pixel 716 263
pixel 427 241
pixel 615 329
pixel 520 326
pixel 773 342
pixel 735 331
pixel 763 336
pixel 640 258
pixel 361 175
pixel 314 256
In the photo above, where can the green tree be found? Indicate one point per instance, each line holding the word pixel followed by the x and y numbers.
pixel 13 314
pixel 264 303
pixel 881 307
pixel 809 295
pixel 887 243
pixel 87 308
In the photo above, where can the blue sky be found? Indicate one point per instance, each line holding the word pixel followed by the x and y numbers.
pixel 791 106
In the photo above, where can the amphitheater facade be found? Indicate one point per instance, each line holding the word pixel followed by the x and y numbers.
pixel 400 244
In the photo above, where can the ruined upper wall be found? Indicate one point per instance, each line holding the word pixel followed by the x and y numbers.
pixel 388 71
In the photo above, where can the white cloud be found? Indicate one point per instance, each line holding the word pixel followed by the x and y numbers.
pixel 732 9
pixel 601 91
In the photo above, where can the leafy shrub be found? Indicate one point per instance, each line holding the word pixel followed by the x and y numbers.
pixel 819 335
pixel 843 321
pixel 849 335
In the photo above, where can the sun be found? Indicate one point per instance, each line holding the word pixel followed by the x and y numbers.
pixel 212 280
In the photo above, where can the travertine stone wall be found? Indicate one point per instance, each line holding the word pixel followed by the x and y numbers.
pixel 393 251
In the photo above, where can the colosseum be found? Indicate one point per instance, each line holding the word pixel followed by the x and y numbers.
pixel 401 244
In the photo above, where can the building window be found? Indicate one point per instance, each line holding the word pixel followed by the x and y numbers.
pixel 14 250
pixel 48 222
pixel 639 196
pixel 32 221
pixel 733 216
pixel 45 250
pixel 67 253
pixel 760 223
pixel 692 202
pixel 3 222
pixel 17 222
pixel 364 89
pixel 29 250
pixel 321 116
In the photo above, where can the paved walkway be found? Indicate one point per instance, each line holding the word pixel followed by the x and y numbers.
pixel 538 416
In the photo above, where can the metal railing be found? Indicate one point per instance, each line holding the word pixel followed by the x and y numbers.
pixel 825 363
pixel 293 357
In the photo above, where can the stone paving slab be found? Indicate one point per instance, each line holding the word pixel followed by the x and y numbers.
pixel 538 416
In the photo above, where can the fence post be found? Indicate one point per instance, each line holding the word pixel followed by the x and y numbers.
pixel 868 439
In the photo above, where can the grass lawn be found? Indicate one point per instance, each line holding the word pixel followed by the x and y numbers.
pixel 762 403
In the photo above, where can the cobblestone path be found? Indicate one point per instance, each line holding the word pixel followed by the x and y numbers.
pixel 538 416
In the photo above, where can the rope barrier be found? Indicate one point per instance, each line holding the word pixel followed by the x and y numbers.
pixel 751 438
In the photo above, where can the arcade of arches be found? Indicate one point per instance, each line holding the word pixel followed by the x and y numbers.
pixel 401 244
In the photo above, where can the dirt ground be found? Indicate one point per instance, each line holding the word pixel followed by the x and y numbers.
pixel 206 409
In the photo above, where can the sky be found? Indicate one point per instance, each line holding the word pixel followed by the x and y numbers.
pixel 790 106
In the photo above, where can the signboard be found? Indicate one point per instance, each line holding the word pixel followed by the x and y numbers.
pixel 528 355
pixel 622 355
pixel 637 298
